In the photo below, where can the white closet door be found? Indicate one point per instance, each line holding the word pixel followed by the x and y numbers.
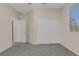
pixel 49 31
pixel 19 31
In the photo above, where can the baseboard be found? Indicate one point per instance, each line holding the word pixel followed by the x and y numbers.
pixel 6 48
pixel 69 49
pixel 48 42
pixel 19 41
pixel 33 43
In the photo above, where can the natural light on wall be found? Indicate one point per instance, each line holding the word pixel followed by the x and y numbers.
pixel 74 18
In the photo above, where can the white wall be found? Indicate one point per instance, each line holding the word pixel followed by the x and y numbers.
pixel 48 13
pixel 69 39
pixel 6 17
pixel 43 15
pixel 32 28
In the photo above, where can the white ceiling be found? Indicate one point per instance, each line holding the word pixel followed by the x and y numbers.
pixel 25 7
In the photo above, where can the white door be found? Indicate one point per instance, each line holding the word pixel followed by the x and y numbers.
pixel 49 31
pixel 19 31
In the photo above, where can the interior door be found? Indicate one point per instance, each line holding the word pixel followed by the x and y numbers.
pixel 49 31
pixel 19 31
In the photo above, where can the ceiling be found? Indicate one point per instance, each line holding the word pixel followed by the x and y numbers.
pixel 26 7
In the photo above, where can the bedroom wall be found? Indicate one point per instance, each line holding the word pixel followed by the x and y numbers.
pixel 6 17
pixel 69 39
pixel 32 28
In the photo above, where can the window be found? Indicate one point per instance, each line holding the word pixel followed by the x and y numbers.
pixel 74 18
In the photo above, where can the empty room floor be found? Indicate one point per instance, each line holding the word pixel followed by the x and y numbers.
pixel 26 49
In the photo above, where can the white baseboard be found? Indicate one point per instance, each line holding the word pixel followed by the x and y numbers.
pixel 20 41
pixel 6 48
pixel 33 43
pixel 48 42
pixel 69 49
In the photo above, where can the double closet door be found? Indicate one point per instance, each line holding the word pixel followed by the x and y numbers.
pixel 49 31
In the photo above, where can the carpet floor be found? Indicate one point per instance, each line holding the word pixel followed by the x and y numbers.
pixel 26 49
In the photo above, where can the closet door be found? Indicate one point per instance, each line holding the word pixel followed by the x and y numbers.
pixel 49 31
